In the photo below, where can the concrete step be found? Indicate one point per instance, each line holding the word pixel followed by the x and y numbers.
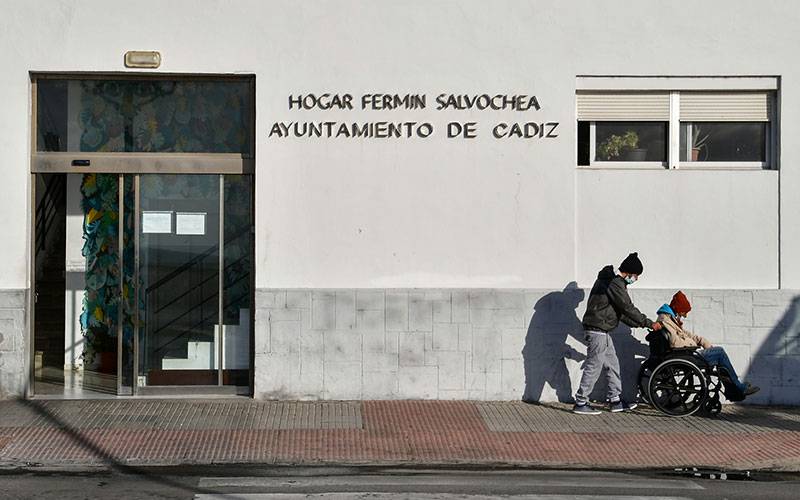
pixel 203 355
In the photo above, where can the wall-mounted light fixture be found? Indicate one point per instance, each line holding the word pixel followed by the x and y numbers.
pixel 142 59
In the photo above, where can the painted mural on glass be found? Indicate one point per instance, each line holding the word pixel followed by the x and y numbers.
pixel 164 116
pixel 101 300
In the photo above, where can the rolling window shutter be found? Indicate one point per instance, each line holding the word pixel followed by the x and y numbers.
pixel 627 107
pixel 726 106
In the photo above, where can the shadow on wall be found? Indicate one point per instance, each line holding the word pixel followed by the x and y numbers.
pixel 547 348
pixel 775 366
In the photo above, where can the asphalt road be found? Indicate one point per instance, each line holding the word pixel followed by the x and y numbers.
pixel 331 483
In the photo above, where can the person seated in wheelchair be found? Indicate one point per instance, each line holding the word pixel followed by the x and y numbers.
pixel 670 315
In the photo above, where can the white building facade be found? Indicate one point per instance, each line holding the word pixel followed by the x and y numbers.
pixel 433 187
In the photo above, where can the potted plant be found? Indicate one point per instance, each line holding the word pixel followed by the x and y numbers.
pixel 101 344
pixel 622 147
pixel 698 142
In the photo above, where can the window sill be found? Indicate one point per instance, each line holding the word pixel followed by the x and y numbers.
pixel 725 165
pixel 625 165
pixel 631 165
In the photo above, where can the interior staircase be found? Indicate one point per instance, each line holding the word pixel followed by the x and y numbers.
pixel 203 355
pixel 49 313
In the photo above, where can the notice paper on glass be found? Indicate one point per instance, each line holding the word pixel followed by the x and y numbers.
pixel 190 223
pixel 156 222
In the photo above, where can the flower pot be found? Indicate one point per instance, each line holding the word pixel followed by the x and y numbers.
pixel 634 155
pixel 108 362
pixel 695 153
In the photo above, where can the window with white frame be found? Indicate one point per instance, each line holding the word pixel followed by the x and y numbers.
pixel 725 127
pixel 692 126
pixel 617 128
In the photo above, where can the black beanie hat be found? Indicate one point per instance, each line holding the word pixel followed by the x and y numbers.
pixel 631 264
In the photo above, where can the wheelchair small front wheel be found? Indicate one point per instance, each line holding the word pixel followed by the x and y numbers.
pixel 712 406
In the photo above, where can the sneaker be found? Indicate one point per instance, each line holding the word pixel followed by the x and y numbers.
pixel 620 406
pixel 751 389
pixel 585 410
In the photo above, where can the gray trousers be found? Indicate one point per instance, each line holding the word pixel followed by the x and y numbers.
pixel 600 354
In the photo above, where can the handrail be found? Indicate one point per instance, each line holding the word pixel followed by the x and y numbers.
pixel 184 313
pixel 47 210
pixel 187 292
pixel 184 268
pixel 213 296
pixel 52 194
pixel 190 263
pixel 191 328
pixel 201 283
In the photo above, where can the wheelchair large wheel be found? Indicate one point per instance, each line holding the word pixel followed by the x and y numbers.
pixel 677 388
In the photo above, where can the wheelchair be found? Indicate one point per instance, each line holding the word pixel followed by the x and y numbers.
pixel 678 383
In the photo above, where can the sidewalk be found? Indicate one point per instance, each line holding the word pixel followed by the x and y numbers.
pixel 169 431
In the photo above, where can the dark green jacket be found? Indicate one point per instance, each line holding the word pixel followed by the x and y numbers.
pixel 609 303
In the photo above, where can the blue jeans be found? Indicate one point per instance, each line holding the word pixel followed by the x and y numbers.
pixel 716 356
pixel 600 354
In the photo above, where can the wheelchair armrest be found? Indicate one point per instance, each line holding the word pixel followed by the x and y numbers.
pixel 685 350
pixel 653 335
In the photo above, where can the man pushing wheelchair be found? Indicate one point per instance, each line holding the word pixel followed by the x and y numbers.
pixel 684 371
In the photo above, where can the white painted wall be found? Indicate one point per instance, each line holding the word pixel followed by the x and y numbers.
pixel 384 213
pixel 692 229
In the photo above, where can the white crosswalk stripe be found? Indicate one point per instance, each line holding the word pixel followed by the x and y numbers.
pixel 459 485
pixel 417 496
pixel 529 479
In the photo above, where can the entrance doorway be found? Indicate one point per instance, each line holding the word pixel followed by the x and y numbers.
pixel 142 246
pixel 143 283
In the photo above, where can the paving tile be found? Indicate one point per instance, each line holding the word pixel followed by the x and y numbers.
pixel 163 432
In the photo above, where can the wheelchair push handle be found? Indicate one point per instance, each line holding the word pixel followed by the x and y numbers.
pixel 654 334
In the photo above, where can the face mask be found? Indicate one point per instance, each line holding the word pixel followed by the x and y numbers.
pixel 630 279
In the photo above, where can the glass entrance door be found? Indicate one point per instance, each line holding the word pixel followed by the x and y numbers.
pixel 155 285
pixel 179 261
pixel 194 279
pixel 84 309
pixel 142 273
